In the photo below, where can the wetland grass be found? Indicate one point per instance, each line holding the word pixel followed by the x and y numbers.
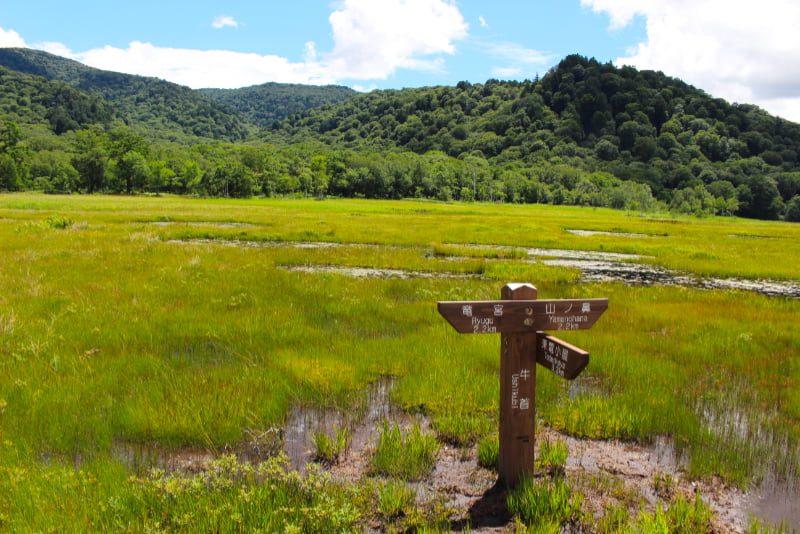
pixel 406 454
pixel 329 447
pixel 110 333
pixel 489 452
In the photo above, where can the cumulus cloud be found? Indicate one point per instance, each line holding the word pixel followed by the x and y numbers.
pixel 371 41
pixel 202 68
pixel 374 39
pixel 221 21
pixel 741 51
pixel 11 39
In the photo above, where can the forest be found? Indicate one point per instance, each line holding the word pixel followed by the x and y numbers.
pixel 585 133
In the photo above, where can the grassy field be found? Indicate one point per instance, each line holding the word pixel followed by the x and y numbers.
pixel 175 323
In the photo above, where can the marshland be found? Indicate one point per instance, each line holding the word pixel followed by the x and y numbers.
pixel 194 365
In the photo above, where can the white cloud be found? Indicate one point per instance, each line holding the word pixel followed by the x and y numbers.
pixel 310 52
pixel 58 49
pixel 11 39
pixel 483 22
pixel 221 21
pixel 519 61
pixel 518 53
pixel 371 41
pixel 374 39
pixel 202 68
pixel 741 51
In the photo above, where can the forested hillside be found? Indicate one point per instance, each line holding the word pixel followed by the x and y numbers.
pixel 586 133
pixel 30 99
pixel 586 116
pixel 168 111
pixel 262 105
pixel 150 106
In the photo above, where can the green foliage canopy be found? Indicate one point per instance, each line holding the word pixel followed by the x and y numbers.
pixel 587 133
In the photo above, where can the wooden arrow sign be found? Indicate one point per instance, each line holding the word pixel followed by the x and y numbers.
pixel 510 316
pixel 563 359
pixel 520 317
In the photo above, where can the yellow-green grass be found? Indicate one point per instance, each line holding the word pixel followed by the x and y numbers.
pixel 112 333
pixel 712 246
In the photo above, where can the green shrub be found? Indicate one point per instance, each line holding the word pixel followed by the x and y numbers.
pixel 57 222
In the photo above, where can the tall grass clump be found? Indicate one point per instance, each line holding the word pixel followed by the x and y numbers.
pixel 462 429
pixel 681 516
pixel 329 447
pixel 487 252
pixel 409 455
pixel 552 456
pixel 489 452
pixel 395 499
pixel 758 526
pixel 544 504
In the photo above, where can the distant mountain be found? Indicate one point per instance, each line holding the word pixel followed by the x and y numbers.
pixel 165 110
pixel 151 106
pixel 636 125
pixel 643 115
pixel 262 105
pixel 572 136
pixel 25 98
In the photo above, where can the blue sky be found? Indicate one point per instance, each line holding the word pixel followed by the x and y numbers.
pixel 743 52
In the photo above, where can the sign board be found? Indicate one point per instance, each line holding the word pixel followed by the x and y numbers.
pixel 517 316
pixel 520 318
pixel 563 359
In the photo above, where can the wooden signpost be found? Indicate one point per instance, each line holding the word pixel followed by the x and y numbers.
pixel 519 318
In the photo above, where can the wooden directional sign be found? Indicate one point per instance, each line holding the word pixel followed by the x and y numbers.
pixel 518 316
pixel 563 359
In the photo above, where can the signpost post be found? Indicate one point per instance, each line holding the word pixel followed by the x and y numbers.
pixel 519 318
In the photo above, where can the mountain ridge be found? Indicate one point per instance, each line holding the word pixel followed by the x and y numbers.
pixel 175 111
pixel 577 135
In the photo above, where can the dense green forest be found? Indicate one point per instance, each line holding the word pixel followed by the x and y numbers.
pixel 262 105
pixel 586 133
pixel 159 110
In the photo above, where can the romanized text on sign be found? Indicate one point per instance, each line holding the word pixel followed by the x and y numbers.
pixel 509 316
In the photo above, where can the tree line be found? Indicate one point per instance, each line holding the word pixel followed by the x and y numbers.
pixel 697 154
pixel 585 134
pixel 122 162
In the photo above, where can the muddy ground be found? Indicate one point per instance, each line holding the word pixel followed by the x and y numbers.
pixel 606 473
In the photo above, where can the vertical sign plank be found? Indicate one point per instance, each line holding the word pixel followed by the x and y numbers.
pixel 519 318
pixel 517 395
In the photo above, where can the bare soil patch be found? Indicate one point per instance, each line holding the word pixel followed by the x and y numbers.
pixel 606 472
